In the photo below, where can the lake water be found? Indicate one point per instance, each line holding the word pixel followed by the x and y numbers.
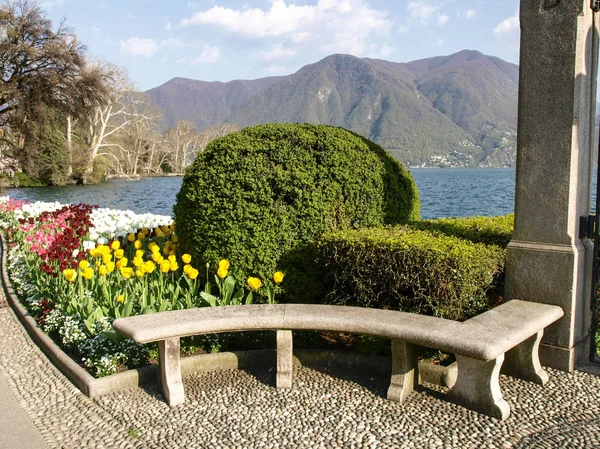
pixel 443 192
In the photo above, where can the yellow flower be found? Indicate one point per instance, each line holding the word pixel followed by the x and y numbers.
pixel 121 298
pixel 156 257
pixel 222 272
pixel 115 245
pixel 94 252
pixel 174 266
pixel 175 239
pixel 102 270
pixel 186 268
pixel 254 283
pixel 192 273
pixel 159 233
pixel 141 235
pixel 110 266
pixel 97 263
pixel 165 266
pixel 224 263
pixel 106 258
pixel 126 272
pixel 166 250
pixel 122 262
pixel 146 231
pixel 186 258
pixel 149 266
pixel 103 249
pixel 278 277
pixel 88 273
pixel 152 246
pixel 139 273
pixel 137 244
pixel 139 253
pixel 119 253
pixel 83 264
pixel 138 262
pixel 130 237
pixel 70 275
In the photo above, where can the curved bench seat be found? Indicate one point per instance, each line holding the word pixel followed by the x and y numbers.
pixel 480 344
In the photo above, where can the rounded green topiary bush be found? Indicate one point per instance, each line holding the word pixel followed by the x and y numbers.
pixel 260 196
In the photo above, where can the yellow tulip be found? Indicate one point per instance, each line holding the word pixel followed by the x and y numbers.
pixel 222 272
pixel 146 231
pixel 130 237
pixel 121 298
pixel 97 263
pixel 159 233
pixel 115 245
pixel 166 251
pixel 110 266
pixel 172 258
pixel 119 253
pixel 83 264
pixel 156 257
pixel 254 283
pixel 149 266
pixel 141 236
pixel 165 266
pixel 186 268
pixel 175 239
pixel 106 258
pixel 224 263
pixel 94 252
pixel 122 262
pixel 174 266
pixel 88 273
pixel 139 253
pixel 168 244
pixel 137 244
pixel 278 277
pixel 152 246
pixel 102 270
pixel 126 272
pixel 186 258
pixel 193 273
pixel 139 273
pixel 138 262
pixel 70 275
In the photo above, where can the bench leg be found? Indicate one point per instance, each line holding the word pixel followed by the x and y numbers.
pixel 405 374
pixel 285 353
pixel 170 371
pixel 478 387
pixel 523 361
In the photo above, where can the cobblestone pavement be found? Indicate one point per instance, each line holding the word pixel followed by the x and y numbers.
pixel 242 409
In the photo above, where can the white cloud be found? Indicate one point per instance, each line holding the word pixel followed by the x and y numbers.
pixel 52 3
pixel 421 10
pixel 136 46
pixel 208 56
pixel 96 30
pixel 403 29
pixel 168 26
pixel 440 42
pixel 442 19
pixel 278 52
pixel 467 14
pixel 333 25
pixel 508 31
pixel 386 51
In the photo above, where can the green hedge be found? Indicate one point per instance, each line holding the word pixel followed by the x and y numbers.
pixel 488 230
pixel 259 197
pixel 420 271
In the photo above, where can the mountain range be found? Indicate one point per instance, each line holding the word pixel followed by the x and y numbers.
pixel 458 110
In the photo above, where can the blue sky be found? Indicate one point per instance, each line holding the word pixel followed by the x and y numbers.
pixel 222 40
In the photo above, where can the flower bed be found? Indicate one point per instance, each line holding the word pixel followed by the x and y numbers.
pixel 76 268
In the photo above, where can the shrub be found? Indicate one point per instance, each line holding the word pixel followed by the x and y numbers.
pixel 488 230
pixel 260 196
pixel 411 270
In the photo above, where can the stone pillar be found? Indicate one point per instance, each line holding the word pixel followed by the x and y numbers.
pixel 547 261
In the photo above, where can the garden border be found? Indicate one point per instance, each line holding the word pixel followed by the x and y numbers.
pixel 95 387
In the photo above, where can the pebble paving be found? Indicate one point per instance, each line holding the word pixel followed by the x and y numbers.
pixel 335 409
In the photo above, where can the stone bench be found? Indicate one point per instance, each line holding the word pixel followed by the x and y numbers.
pixel 509 333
